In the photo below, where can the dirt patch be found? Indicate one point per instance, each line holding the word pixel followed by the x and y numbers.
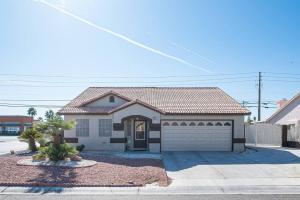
pixel 109 171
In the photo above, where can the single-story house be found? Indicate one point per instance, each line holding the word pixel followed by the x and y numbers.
pixel 156 119
pixel 288 114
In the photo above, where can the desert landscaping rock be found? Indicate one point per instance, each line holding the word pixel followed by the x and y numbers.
pixel 72 164
pixel 109 171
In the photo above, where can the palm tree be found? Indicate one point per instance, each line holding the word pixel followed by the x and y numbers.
pixel 49 114
pixel 31 135
pixel 55 127
pixel 31 111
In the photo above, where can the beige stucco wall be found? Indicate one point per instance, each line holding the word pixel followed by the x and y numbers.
pixel 136 109
pixel 104 102
pixel 94 141
pixel 289 115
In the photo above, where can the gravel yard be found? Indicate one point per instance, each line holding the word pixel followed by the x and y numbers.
pixel 109 171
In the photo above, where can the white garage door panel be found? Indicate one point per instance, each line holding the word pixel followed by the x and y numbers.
pixel 196 138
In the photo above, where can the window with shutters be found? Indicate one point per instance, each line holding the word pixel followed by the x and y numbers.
pixel 82 128
pixel 105 127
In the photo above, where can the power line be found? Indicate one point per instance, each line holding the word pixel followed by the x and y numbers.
pixel 274 80
pixel 280 73
pixel 284 77
pixel 142 77
pixel 97 82
pixel 148 85
pixel 29 105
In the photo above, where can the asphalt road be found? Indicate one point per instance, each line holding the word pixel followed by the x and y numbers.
pixel 8 143
pixel 153 197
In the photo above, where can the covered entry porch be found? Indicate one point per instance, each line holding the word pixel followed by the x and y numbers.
pixel 137 128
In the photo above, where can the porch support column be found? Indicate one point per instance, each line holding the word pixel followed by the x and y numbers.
pixel 154 137
pixel 118 139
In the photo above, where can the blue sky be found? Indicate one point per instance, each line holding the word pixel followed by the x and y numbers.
pixel 232 37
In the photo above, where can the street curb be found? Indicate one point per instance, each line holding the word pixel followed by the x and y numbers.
pixel 266 189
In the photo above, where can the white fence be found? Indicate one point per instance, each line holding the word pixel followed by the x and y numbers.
pixel 293 133
pixel 263 134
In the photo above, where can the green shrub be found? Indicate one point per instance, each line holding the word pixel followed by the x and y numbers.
pixel 31 135
pixel 42 142
pixel 80 147
pixel 57 153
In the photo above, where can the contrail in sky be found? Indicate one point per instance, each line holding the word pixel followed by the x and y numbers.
pixel 127 39
pixel 192 52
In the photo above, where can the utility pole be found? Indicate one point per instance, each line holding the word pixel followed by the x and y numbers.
pixel 259 97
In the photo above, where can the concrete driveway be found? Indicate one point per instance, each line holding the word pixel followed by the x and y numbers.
pixel 259 166
pixel 8 143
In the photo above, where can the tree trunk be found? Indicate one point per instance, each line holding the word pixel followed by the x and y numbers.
pixel 32 145
pixel 57 140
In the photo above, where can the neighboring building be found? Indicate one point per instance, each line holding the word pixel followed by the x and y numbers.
pixel 288 113
pixel 156 119
pixel 14 124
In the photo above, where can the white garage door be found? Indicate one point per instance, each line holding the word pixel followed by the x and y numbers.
pixel 196 135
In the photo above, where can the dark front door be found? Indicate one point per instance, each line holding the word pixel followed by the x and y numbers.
pixel 140 135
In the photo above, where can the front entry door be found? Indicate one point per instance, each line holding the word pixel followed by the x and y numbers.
pixel 140 134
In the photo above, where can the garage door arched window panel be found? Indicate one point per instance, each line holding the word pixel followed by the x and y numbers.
pixel 166 124
pixel 174 124
pixel 201 124
pixel 183 124
pixel 227 124
pixel 192 124
pixel 218 124
pixel 209 124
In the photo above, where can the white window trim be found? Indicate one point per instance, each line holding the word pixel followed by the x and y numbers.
pixel 144 138
pixel 87 128
pixel 110 125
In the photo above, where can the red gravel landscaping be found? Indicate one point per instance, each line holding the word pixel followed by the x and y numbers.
pixel 109 171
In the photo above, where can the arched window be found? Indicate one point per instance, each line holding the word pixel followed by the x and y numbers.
pixel 166 124
pixel 111 99
pixel 174 124
pixel 209 124
pixel 218 124
pixel 183 124
pixel 227 124
pixel 192 124
pixel 201 124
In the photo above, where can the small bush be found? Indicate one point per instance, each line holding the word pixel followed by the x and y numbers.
pixel 80 147
pixel 55 154
pixel 42 142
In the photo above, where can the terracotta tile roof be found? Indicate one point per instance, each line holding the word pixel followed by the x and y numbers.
pixel 169 100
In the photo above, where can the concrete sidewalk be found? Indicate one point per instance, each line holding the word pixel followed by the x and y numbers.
pixel 153 190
